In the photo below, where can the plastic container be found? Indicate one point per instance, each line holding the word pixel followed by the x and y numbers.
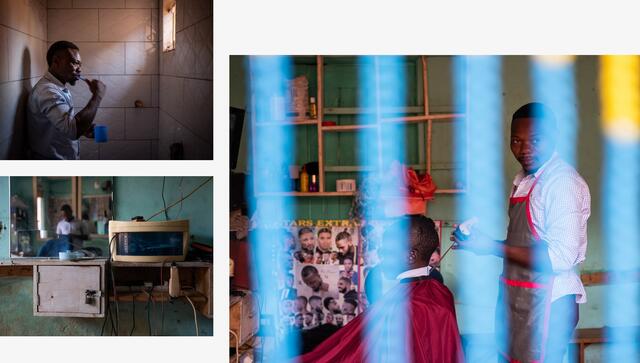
pixel 100 133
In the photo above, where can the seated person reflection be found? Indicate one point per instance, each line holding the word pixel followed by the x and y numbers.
pixel 71 235
pixel 432 331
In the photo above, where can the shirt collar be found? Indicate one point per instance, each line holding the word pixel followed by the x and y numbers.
pixel 521 174
pixel 416 272
pixel 51 78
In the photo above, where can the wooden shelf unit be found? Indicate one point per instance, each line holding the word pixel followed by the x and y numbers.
pixel 424 117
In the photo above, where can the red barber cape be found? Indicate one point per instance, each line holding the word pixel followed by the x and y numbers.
pixel 432 331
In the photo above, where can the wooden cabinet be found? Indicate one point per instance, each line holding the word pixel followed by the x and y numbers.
pixel 70 289
pixel 244 318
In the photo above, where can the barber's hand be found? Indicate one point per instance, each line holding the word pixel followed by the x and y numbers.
pixel 97 87
pixel 476 242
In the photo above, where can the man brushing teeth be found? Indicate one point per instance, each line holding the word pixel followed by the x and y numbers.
pixel 54 125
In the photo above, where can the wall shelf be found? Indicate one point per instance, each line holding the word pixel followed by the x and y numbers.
pixel 416 114
pixel 306 194
pixel 297 122
pixel 342 128
pixel 359 110
pixel 423 118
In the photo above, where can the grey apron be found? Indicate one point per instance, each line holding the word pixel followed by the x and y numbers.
pixel 524 295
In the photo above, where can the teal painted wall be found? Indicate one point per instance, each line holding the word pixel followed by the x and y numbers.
pixel 5 217
pixel 142 196
pixel 133 196
pixel 516 92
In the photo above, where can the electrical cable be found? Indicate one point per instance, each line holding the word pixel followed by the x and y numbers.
pixel 181 196
pixel 149 312
pixel 256 297
pixel 181 199
pixel 115 298
pixel 133 314
pixel 237 346
pixel 195 316
pixel 164 202
pixel 162 298
pixel 113 285
pixel 108 314
pixel 150 294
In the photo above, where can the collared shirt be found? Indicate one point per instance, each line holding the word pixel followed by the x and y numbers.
pixel 560 206
pixel 51 121
pixel 416 272
pixel 63 228
pixel 75 228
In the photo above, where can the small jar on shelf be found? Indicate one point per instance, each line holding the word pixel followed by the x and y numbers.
pixel 313 108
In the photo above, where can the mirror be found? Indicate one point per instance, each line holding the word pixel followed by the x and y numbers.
pixel 96 204
pixel 45 218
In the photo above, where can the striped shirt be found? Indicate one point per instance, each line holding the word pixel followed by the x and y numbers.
pixel 560 206
pixel 51 121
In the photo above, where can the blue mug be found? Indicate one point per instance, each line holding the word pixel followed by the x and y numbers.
pixel 100 133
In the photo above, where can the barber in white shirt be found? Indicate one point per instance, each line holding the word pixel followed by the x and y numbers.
pixel 70 226
pixel 54 126
pixel 540 288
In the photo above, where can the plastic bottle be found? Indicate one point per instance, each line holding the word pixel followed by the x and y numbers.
pixel 313 186
pixel 313 108
pixel 304 180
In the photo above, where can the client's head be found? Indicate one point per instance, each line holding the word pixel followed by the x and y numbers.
pixel 407 244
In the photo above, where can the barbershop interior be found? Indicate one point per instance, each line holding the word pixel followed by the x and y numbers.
pixel 315 140
pixel 154 56
pixel 104 256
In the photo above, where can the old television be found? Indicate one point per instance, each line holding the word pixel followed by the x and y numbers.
pixel 144 241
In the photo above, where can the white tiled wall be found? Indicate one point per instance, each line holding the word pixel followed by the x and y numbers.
pixel 23 45
pixel 186 83
pixel 103 57
pixel 133 25
pixel 118 41
pixel 114 119
pixel 124 91
pixel 94 4
pixel 142 58
pixel 141 122
pixel 4 54
pixel 72 24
